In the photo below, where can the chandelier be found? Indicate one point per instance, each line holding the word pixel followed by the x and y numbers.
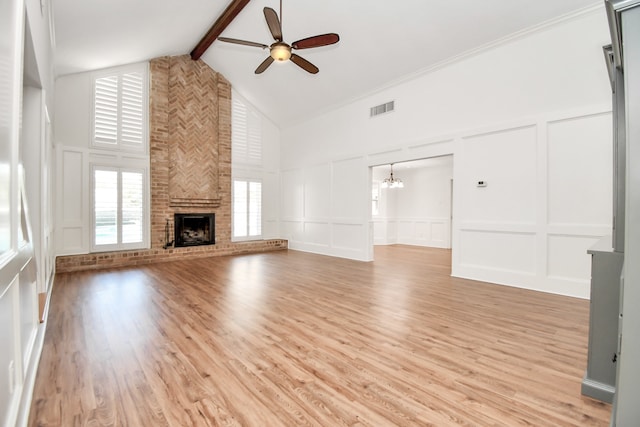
pixel 392 182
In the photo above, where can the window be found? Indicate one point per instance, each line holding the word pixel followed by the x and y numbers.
pixel 247 209
pixel 246 133
pixel 120 109
pixel 119 188
pixel 5 198
pixel 119 209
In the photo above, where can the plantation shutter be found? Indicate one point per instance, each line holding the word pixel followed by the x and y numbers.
pixel 254 139
pixel 246 133
pixel 255 208
pixel 132 104
pixel 105 199
pixel 240 208
pixel 118 197
pixel 106 110
pixel 247 209
pixel 119 110
pixel 132 207
pixel 239 131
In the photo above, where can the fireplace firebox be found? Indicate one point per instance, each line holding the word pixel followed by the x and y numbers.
pixel 194 229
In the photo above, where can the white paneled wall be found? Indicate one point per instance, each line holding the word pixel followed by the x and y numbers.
pixel 577 142
pixel 506 161
pixel 530 117
pixel 324 211
pixel 26 270
pixel 74 154
pixel 73 218
pixel 497 223
pixel 432 232
pixel 270 205
pixel 548 199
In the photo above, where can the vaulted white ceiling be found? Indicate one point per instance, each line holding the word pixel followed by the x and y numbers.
pixel 382 41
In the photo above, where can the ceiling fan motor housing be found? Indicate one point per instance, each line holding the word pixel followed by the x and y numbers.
pixel 280 51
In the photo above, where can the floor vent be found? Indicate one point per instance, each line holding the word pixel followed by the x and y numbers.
pixel 381 109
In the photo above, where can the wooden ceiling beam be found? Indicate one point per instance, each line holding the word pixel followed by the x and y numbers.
pixel 218 27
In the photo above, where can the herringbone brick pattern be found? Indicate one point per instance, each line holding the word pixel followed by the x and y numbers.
pixel 193 133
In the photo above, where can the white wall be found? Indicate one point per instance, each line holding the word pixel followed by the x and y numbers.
pixel 420 213
pixel 530 116
pixel 72 141
pixel 26 84
pixel 548 199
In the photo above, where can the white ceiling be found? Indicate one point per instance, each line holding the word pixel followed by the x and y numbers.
pixel 382 41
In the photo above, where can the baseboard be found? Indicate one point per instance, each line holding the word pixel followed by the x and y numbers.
pixel 598 390
pixel 30 379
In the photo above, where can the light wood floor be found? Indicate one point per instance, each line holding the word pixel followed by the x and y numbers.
pixel 289 338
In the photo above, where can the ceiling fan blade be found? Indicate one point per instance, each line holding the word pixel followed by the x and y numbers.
pixel 243 42
pixel 265 64
pixel 273 22
pixel 304 64
pixel 316 41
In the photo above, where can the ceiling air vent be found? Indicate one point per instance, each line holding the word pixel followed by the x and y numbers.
pixel 381 109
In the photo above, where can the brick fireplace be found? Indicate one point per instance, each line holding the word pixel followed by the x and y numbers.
pixel 190 171
pixel 194 229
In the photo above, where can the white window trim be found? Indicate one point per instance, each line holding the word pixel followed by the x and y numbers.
pixel 143 68
pixel 145 244
pixel 247 238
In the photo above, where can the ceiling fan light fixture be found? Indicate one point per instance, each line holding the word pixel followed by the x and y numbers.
pixel 280 51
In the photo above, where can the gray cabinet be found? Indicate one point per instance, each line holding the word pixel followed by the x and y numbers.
pixel 624 22
pixel 606 266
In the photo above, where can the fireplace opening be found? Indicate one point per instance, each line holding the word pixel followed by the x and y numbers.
pixel 194 229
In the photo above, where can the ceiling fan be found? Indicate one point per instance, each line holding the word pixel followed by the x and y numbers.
pixel 281 51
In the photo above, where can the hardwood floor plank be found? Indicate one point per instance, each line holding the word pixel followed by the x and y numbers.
pixel 289 338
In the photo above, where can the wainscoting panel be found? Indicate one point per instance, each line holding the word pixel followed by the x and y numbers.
pixel 317 233
pixel 441 232
pixel 385 231
pixel 10 375
pixel 348 236
pixel 270 205
pixel 349 179
pixel 587 142
pixel 432 232
pixel 317 191
pixel 506 251
pixel 505 160
pixel 567 257
pixel 292 185
pixel 72 238
pixel 72 179
pixel 293 231
pixel 72 207
pixel 270 229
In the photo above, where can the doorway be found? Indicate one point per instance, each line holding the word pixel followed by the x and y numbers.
pixel 419 213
